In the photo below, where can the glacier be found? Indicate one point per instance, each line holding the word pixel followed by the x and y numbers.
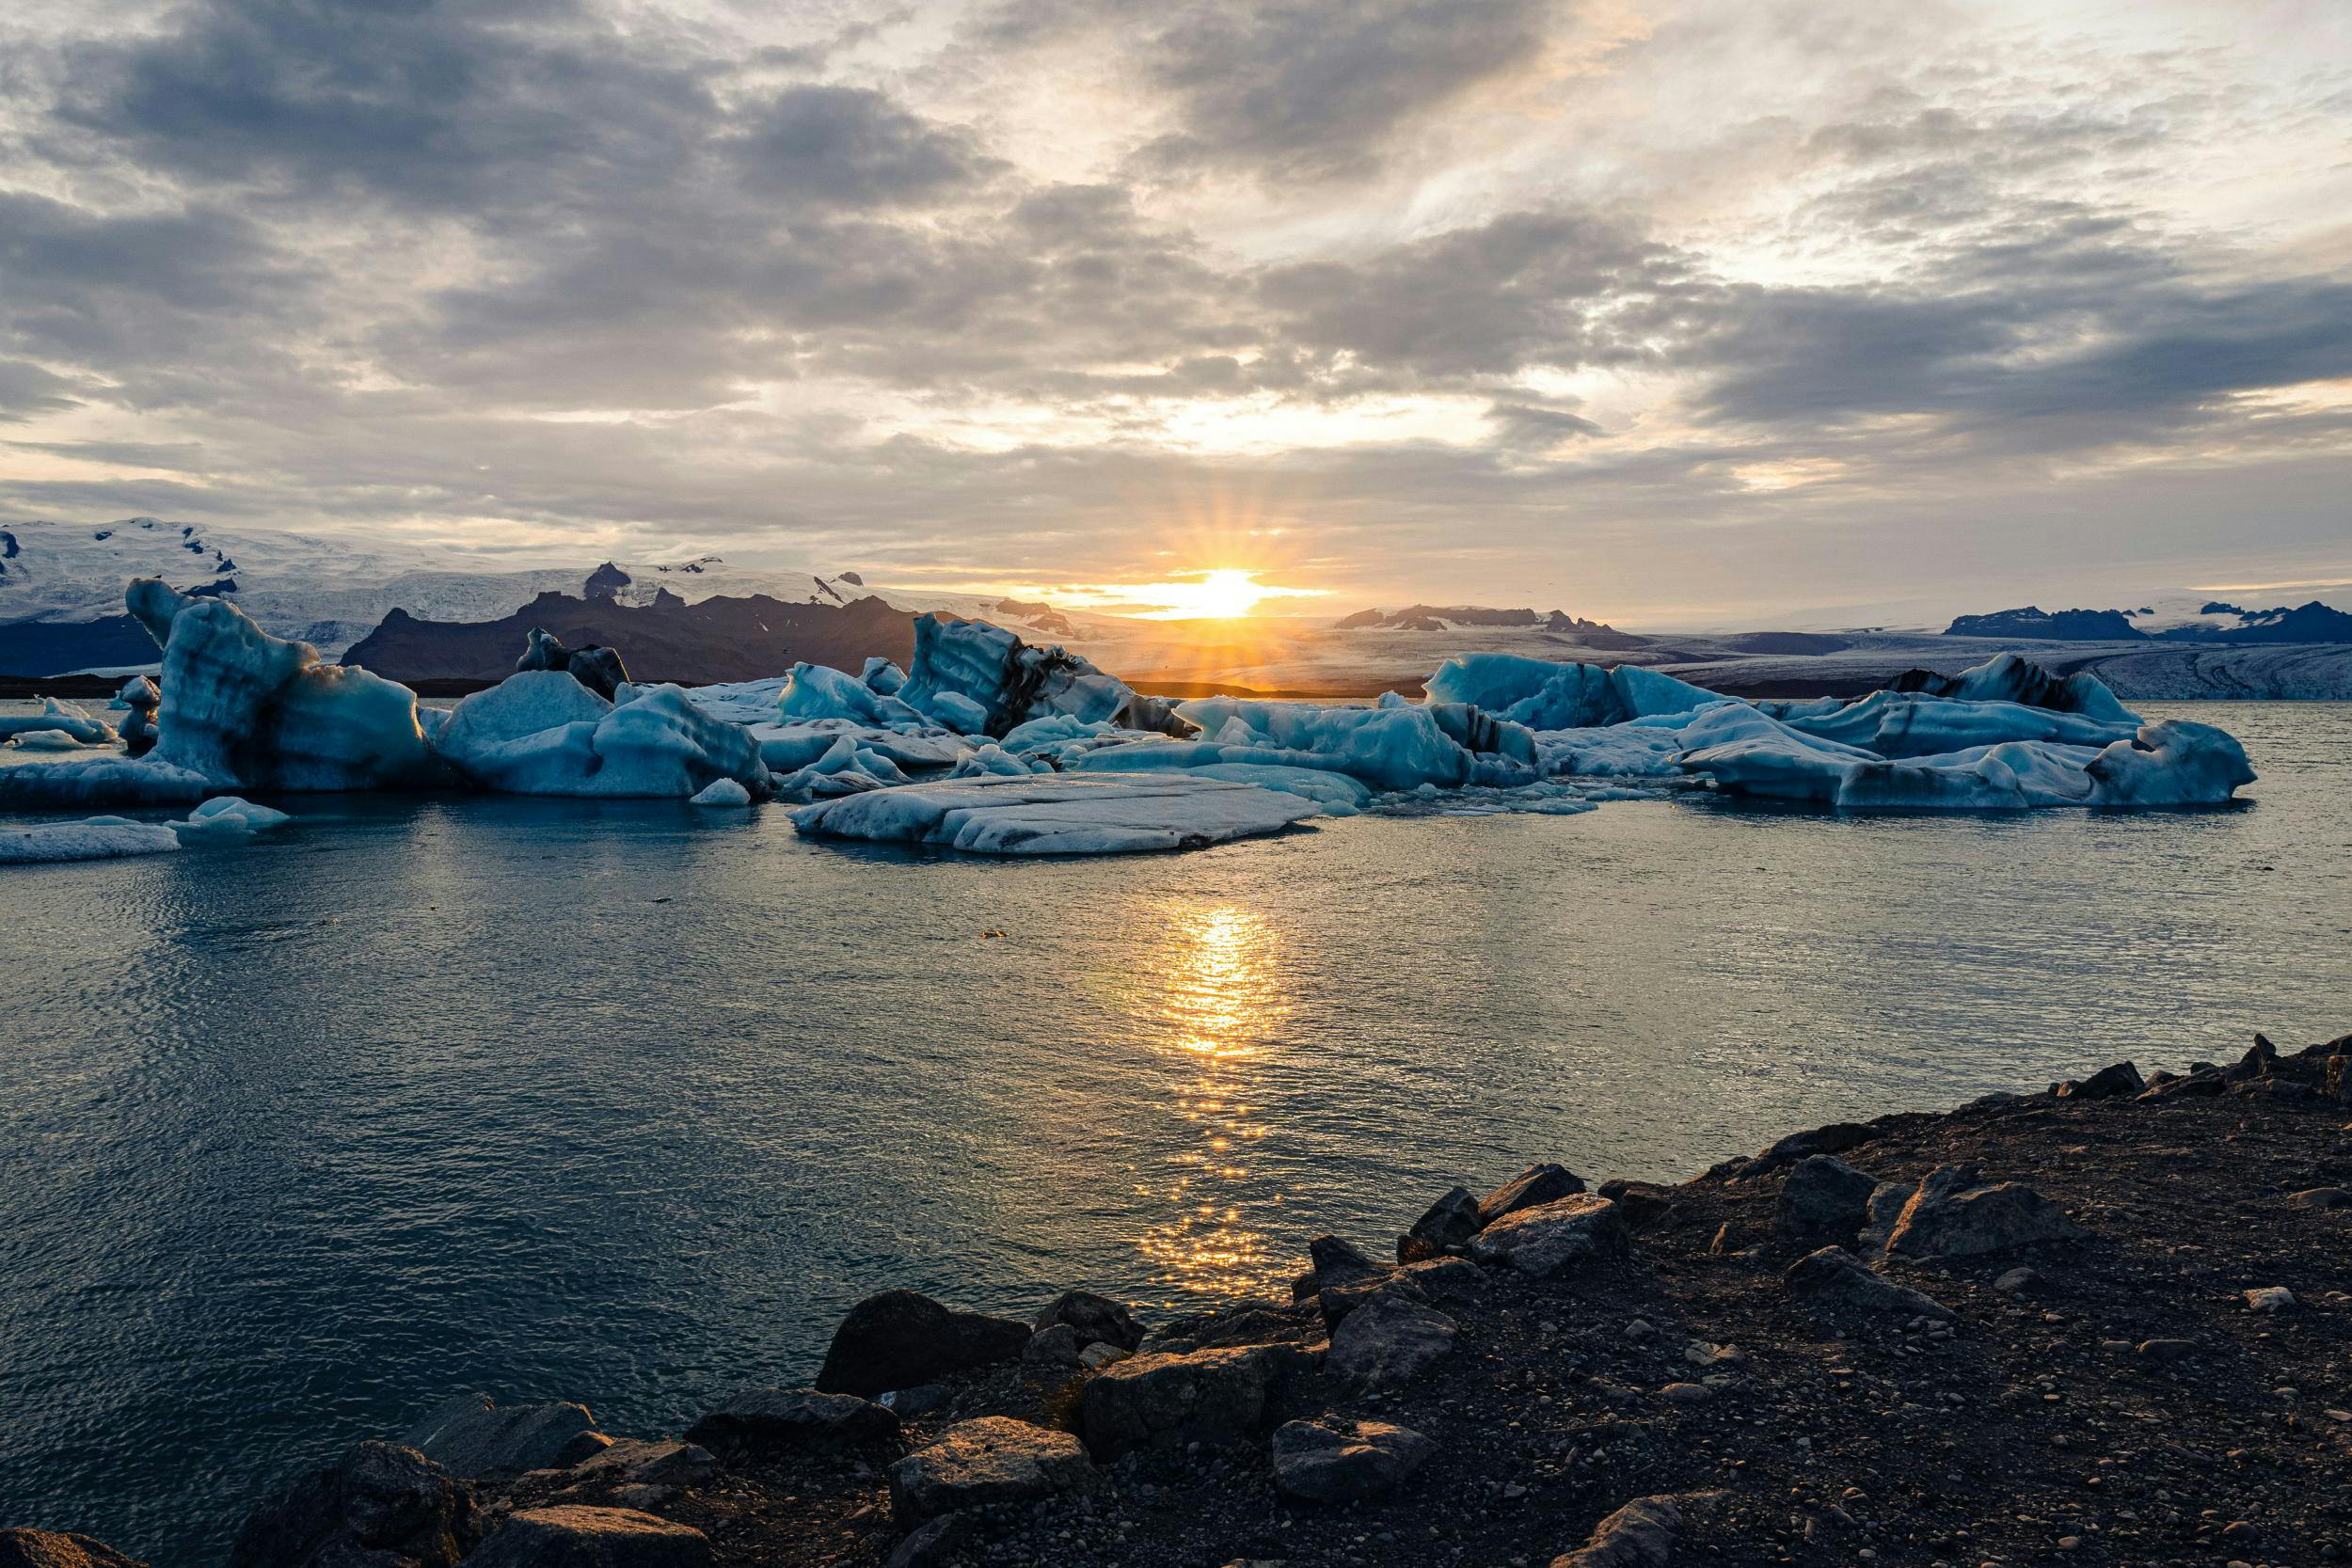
pixel 988 744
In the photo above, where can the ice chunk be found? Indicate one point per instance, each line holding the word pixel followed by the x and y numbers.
pixel 816 692
pixel 43 740
pixel 787 748
pixel 1906 724
pixel 2013 679
pixel 2171 763
pixel 244 710
pixel 1336 793
pixel 1011 682
pixel 1060 814
pixel 1391 746
pixel 958 712
pixel 1542 695
pixel 96 839
pixel 542 733
pixel 228 816
pixel 140 698
pixel 67 719
pixel 721 792
pixel 883 677
pixel 597 668
pixel 991 759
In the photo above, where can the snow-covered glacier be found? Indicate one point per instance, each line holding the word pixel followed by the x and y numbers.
pixel 990 745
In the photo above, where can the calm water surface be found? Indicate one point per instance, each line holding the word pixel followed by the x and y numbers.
pixel 627 1102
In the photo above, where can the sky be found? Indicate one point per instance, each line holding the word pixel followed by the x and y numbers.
pixel 1647 309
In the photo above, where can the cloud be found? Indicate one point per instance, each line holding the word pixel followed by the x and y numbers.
pixel 26 389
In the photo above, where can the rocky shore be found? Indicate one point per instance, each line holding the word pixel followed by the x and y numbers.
pixel 2107 1324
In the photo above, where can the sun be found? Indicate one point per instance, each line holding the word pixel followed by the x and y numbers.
pixel 1210 594
pixel 1225 594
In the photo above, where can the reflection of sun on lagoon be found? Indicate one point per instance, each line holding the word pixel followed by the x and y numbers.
pixel 1222 1004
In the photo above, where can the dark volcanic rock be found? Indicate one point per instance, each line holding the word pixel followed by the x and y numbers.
pixel 1536 1184
pixel 1333 1460
pixel 1841 1286
pixel 990 1462
pixel 1547 1241
pixel 755 1420
pixel 41 1548
pixel 1642 1534
pixel 599 669
pixel 1447 1226
pixel 1390 1342
pixel 1824 1203
pixel 471 1438
pixel 1952 1215
pixel 576 1537
pixel 2121 1078
pixel 1097 1320
pixel 1204 1396
pixel 379 1498
pixel 902 1338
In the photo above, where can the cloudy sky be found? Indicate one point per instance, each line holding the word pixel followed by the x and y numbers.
pixel 1652 309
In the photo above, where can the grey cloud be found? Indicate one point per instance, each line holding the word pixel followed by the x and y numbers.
pixel 187 456
pixel 855 146
pixel 26 389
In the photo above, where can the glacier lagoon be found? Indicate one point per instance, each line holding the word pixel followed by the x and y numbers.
pixel 625 1101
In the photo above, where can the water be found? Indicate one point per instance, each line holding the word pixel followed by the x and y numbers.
pixel 627 1102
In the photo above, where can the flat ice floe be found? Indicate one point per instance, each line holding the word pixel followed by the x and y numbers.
pixel 1095 813
pixel 97 838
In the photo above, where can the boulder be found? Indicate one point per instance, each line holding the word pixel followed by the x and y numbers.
pixel 1338 1301
pixel 1825 1202
pixel 2109 1083
pixel 1550 1239
pixel 42 1548
pixel 758 1421
pixel 1097 1320
pixel 656 1463
pixel 1642 1534
pixel 1054 1349
pixel 569 1536
pixel 1210 1396
pixel 1536 1184
pixel 1444 1279
pixel 1837 1137
pixel 472 1438
pixel 379 1498
pixel 1390 1342
pixel 2260 1061
pixel 2321 1198
pixel 1841 1287
pixel 1445 1229
pixel 986 1463
pixel 902 1338
pixel 2269 1298
pixel 1334 1260
pixel 1953 1214
pixel 1640 1204
pixel 1332 1459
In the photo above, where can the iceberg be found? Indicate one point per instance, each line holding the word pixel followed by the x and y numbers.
pixel 228 818
pixel 721 792
pixel 67 719
pixel 1089 815
pixel 993 681
pixel 2173 762
pixel 43 740
pixel 1547 696
pixel 882 676
pixel 139 699
pixel 597 668
pixel 541 731
pixel 815 692
pixel 96 838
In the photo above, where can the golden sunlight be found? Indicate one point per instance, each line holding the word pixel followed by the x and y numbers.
pixel 1210 594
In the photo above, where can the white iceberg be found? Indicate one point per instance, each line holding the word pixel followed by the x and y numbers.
pixel 1065 814
pixel 1547 696
pixel 816 691
pixel 1395 745
pixel 62 717
pixel 541 731
pixel 43 740
pixel 228 818
pixel 721 792
pixel 993 681
pixel 97 838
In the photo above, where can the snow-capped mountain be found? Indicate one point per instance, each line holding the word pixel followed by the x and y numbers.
pixel 329 592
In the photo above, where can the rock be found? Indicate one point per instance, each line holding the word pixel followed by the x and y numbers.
pixel 658 1462
pixel 1204 1396
pixel 1548 1238
pixel 1332 1459
pixel 2335 1078
pixel 932 1543
pixel 1640 1204
pixel 1456 1279
pixel 1824 1203
pixel 1335 1261
pixel 988 1463
pixel 1097 1320
pixel 2260 1061
pixel 1839 1286
pixel 1388 1342
pixel 472 1438
pixel 599 669
pixel 1057 1346
pixel 2269 1298
pixel 570 1536
pixel 379 1497
pixel 1338 1301
pixel 1952 1215
pixel 2196 1086
pixel 1837 1137
pixel 901 1337
pixel 1446 1227
pixel 2166 1352
pixel 2109 1083
pixel 1642 1534
pixel 1096 1356
pixel 1686 1393
pixel 2020 1282
pixel 1536 1184
pixel 921 1400
pixel 42 1548
pixel 2321 1198
pixel 761 1420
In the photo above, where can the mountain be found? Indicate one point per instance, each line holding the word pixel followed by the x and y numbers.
pixel 2306 622
pixel 2035 625
pixel 668 640
pixel 1422 617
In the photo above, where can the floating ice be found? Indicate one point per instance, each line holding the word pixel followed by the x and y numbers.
pixel 1397 745
pixel 1089 815
pixel 1006 682
pixel 542 733
pixel 815 692
pixel 227 817
pixel 597 668
pixel 97 838
pixel 67 719
pixel 43 740
pixel 883 676
pixel 1547 696
pixel 721 792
